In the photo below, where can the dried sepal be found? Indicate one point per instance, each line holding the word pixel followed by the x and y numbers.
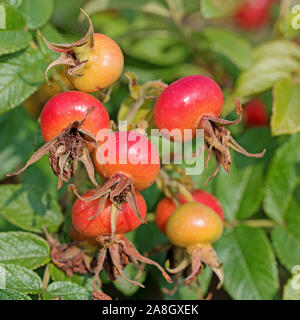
pixel 115 255
pixel 218 140
pixel 74 54
pixel 65 151
pixel 119 189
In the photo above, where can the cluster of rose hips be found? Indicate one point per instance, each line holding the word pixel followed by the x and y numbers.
pixel 70 122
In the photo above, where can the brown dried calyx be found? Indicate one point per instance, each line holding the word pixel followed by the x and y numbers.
pixel 192 263
pixel 115 255
pixel 218 140
pixel 118 189
pixel 65 150
pixel 70 257
pixel 74 54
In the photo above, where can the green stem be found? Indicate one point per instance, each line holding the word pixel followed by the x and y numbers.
pixel 257 223
pixel 133 110
pixel 57 78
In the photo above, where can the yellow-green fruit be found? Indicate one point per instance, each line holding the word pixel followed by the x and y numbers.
pixel 194 224
pixel 104 66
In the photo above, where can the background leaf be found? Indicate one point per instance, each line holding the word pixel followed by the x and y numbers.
pixel 36 12
pixel 19 139
pixel 286 241
pixel 23 248
pixel 232 46
pixel 20 75
pixel 249 264
pixel 286 117
pixel 21 279
pixel 29 207
pixel 12 41
pixel 67 291
pixel 245 179
pixel 154 6
pixel 124 286
pixel 9 294
pixel 282 179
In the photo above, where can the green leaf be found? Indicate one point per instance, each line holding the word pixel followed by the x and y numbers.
pixel 20 279
pixel 277 48
pixel 291 290
pixel 2 17
pixel 66 291
pixel 218 8
pixel 245 179
pixel 12 41
pixel 124 286
pixel 282 179
pixel 8 294
pixel 264 74
pixel 19 139
pixel 153 7
pixel 15 3
pixel 59 275
pixel 249 264
pixel 286 117
pixel 29 207
pixel 23 248
pixel 14 19
pixel 286 241
pixel 235 48
pixel 20 75
pixel 191 292
pixel 41 174
pixel 158 51
pixel 151 195
pixel 36 12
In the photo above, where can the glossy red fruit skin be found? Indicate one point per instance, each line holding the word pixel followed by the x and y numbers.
pixel 126 221
pixel 66 107
pixel 185 101
pixel 77 236
pixel 166 207
pixel 143 173
pixel 253 15
pixel 256 114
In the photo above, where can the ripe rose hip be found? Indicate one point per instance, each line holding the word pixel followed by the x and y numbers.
pixel 93 63
pixel 93 219
pixel 67 107
pixel 140 158
pixel 185 101
pixel 253 15
pixel 167 206
pixel 195 102
pixel 79 237
pixel 256 114
pixel 70 122
pixel 88 223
